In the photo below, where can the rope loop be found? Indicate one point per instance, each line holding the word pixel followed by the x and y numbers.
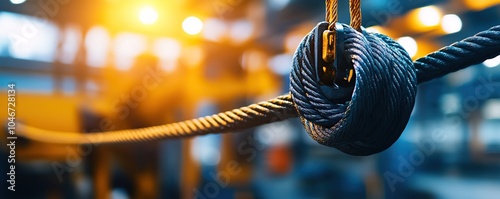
pixel 382 101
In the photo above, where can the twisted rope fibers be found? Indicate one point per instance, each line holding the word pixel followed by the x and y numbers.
pixel 354 10
pixel 331 11
pixel 369 123
pixel 277 109
pixel 470 51
pixel 381 104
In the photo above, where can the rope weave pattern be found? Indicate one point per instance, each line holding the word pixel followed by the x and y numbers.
pixel 332 15
pixel 459 55
pixel 355 12
pixel 277 109
pixel 381 104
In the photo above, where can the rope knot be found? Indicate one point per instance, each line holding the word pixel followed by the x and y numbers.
pixel 382 100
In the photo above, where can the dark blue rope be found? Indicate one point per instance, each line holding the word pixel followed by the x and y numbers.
pixel 385 90
pixel 470 51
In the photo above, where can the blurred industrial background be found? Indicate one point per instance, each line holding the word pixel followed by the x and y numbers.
pixel 101 65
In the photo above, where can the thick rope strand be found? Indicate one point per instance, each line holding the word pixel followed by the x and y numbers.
pixel 277 109
pixel 355 12
pixel 470 51
pixel 331 11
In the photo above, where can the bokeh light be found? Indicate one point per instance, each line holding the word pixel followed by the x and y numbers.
pixel 429 16
pixel 451 23
pixel 148 15
pixel 241 31
pixel 215 29
pixel 409 44
pixel 17 1
pixel 493 62
pixel 192 25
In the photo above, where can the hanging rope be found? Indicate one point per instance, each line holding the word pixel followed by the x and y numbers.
pixel 383 98
pixel 332 15
pixel 277 109
pixel 355 12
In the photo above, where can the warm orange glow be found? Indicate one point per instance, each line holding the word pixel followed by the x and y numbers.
pixel 480 4
pixel 143 17
pixel 192 56
pixel 148 15
pixel 423 19
pixel 429 16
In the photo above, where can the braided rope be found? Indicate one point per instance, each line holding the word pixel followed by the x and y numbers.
pixel 277 109
pixel 355 12
pixel 385 83
pixel 332 15
pixel 470 51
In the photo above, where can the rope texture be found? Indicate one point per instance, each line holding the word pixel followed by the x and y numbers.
pixel 470 51
pixel 332 15
pixel 381 104
pixel 355 12
pixel 367 124
pixel 385 88
pixel 277 109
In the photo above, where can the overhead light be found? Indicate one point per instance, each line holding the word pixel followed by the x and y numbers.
pixel 192 56
pixel 493 62
pixel 491 109
pixel 279 64
pixel 206 150
pixel 409 44
pixel 17 1
pixel 97 43
pixel 373 29
pixel 192 25
pixel 429 16
pixel 215 29
pixel 451 23
pixel 291 42
pixel 148 15
pixel 241 31
pixel 168 50
pixel 449 103
pixel 278 4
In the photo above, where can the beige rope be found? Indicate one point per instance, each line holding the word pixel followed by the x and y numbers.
pixel 277 109
pixel 354 10
pixel 331 11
